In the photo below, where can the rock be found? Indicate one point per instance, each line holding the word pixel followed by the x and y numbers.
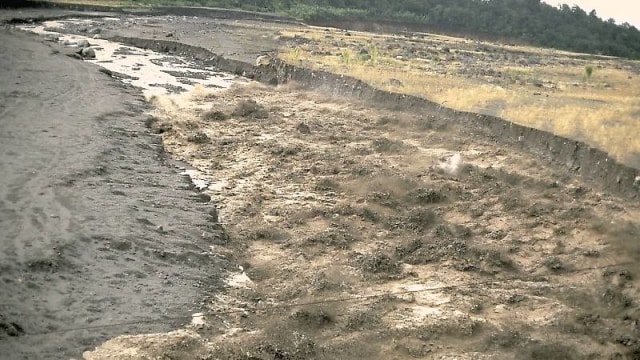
pixel 51 37
pixel 364 51
pixel 263 60
pixel 213 212
pixel 10 329
pixel 74 55
pixel 83 44
pixel 395 82
pixel 88 53
pixel 203 198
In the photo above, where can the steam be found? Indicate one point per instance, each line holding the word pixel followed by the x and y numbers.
pixel 452 165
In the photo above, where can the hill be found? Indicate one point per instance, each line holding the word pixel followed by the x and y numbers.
pixel 529 21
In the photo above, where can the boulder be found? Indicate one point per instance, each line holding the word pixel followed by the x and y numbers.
pixel 263 60
pixel 88 53
pixel 395 82
pixel 83 44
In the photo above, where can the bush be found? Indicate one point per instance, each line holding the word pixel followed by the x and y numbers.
pixel 588 71
pixel 214 115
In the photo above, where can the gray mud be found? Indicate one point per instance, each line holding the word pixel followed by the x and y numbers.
pixel 98 228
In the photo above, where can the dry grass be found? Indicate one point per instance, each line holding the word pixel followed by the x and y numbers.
pixel 541 88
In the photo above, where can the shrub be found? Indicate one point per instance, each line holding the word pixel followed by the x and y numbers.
pixel 588 71
pixel 214 115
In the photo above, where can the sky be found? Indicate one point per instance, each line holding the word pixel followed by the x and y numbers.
pixel 620 10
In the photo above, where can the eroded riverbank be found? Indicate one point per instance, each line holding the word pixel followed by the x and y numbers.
pixel 382 233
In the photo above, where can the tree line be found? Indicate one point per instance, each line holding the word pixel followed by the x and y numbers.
pixel 531 21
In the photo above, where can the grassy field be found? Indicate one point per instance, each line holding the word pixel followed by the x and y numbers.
pixel 585 97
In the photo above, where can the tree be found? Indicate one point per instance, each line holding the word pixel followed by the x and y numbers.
pixel 538 23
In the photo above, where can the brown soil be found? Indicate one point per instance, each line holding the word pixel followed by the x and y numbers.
pixel 325 199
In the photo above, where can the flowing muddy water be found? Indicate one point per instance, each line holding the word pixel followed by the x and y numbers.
pixel 154 73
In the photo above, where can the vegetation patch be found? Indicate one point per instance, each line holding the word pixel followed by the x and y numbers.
pixel 214 115
pixel 377 263
pixel 415 220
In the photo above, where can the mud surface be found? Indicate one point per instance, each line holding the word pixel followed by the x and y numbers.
pixel 400 237
pixel 97 227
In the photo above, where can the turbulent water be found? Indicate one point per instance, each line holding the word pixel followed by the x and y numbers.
pixel 153 72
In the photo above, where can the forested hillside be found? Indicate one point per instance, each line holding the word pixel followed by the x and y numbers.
pixel 532 21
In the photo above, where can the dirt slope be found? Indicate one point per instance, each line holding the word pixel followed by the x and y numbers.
pixel 96 226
